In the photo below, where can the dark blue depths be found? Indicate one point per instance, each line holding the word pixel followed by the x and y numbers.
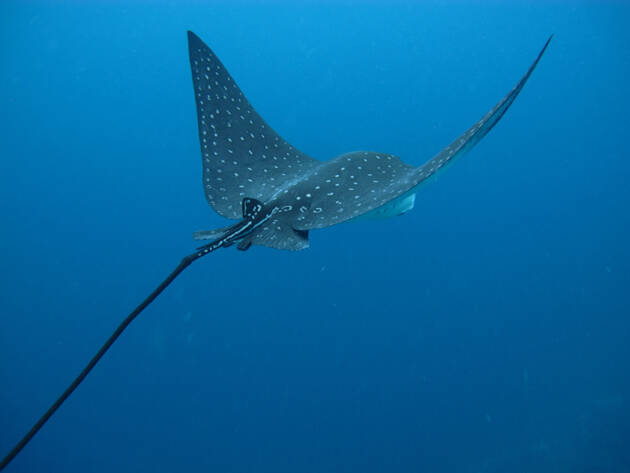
pixel 485 331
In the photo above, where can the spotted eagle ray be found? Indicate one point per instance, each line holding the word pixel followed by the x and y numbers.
pixel 276 192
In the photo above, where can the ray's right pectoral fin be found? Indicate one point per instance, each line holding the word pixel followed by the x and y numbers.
pixel 399 206
pixel 466 141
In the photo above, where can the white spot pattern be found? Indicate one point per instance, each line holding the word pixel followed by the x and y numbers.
pixel 303 192
pixel 229 127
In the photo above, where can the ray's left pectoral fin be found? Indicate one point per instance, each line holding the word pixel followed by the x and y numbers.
pixel 210 234
pixel 475 133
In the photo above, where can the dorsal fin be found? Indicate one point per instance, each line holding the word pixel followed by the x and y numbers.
pixel 241 154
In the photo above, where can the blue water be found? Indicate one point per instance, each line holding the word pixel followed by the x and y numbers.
pixel 485 331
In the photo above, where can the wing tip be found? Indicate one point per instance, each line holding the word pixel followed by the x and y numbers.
pixel 546 44
pixel 542 51
pixel 193 39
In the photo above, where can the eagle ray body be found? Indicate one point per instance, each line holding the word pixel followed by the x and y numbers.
pixel 244 158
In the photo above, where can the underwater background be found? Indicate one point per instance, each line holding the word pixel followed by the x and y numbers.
pixel 485 331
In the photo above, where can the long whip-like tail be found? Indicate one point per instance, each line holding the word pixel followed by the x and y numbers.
pixel 185 262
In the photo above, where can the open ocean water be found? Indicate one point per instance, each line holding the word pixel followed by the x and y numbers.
pixel 486 331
